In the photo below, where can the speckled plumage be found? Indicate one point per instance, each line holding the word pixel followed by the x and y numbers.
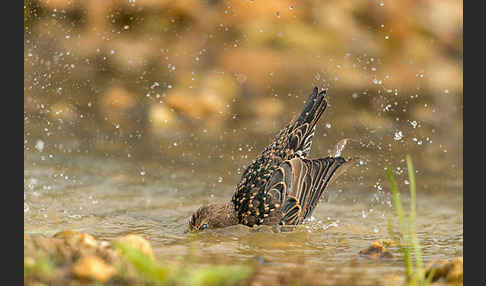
pixel 281 186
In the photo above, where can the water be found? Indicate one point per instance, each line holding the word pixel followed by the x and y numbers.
pixel 109 196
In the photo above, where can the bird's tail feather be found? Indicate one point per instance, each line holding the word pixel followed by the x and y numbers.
pixel 315 106
pixel 304 127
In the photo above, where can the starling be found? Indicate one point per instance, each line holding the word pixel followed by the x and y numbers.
pixel 281 186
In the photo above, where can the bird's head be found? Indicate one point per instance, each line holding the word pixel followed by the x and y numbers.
pixel 213 216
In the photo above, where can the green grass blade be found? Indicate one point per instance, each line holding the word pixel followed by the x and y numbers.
pixel 413 210
pixel 404 246
pixel 146 266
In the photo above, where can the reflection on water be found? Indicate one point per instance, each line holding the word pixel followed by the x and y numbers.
pixel 111 196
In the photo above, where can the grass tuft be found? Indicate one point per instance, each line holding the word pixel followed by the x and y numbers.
pixel 409 242
pixel 151 271
pixel 146 267
pixel 41 267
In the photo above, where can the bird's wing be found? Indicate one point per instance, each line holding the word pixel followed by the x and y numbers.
pixel 298 184
pixel 293 141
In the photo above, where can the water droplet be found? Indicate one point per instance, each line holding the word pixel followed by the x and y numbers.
pixel 39 145
pixel 154 85
pixel 398 135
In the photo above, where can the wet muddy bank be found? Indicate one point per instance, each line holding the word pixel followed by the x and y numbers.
pixel 74 258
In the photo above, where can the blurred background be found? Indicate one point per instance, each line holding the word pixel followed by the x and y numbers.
pixel 197 81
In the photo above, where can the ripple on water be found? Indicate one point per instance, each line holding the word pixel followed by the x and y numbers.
pixel 107 197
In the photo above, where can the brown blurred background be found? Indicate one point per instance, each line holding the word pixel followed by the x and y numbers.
pixel 132 76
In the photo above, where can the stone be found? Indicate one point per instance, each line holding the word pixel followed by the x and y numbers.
pixel 376 251
pixel 91 267
pixel 450 270
pixel 138 242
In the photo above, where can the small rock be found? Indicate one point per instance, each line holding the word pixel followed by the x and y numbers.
pixel 376 251
pixel 457 270
pixel 66 234
pixel 92 268
pixel 104 244
pixel 387 242
pixel 88 240
pixel 451 270
pixel 136 241
pixel 80 240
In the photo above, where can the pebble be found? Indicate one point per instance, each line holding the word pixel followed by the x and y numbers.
pixel 91 267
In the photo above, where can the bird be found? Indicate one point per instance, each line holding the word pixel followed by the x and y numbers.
pixel 282 186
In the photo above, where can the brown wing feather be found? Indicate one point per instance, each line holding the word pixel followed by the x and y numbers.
pixel 298 184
